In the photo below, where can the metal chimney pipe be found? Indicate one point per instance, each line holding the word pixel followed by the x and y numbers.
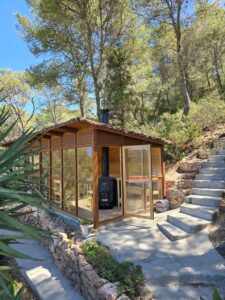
pixel 105 116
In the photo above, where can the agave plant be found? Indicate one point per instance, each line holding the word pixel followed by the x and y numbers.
pixel 15 194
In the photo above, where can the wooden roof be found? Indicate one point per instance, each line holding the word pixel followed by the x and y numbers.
pixel 80 122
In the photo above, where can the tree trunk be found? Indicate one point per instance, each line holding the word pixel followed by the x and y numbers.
pixel 183 86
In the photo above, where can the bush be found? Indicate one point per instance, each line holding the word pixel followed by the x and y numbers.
pixel 208 112
pixel 180 130
pixel 130 277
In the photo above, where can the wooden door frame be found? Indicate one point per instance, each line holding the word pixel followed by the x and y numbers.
pixel 148 146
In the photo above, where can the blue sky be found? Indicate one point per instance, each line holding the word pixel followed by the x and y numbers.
pixel 14 53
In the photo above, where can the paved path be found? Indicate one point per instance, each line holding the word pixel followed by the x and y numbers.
pixel 43 276
pixel 181 270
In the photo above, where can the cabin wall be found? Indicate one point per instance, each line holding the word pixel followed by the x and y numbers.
pixel 71 163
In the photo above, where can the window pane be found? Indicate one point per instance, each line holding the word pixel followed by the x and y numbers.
pixel 36 161
pixel 85 200
pixel 57 172
pixel 69 199
pixel 156 162
pixel 56 192
pixel 45 160
pixel 84 163
pixel 69 173
pixel 56 159
pixel 68 157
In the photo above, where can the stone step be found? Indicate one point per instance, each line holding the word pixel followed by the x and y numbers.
pixel 216 151
pixel 212 170
pixel 208 192
pixel 202 212
pixel 213 164
pixel 219 143
pixel 214 177
pixel 172 232
pixel 203 200
pixel 187 223
pixel 220 158
pixel 209 184
pixel 222 151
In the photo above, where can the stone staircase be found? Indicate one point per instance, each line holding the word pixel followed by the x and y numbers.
pixel 201 207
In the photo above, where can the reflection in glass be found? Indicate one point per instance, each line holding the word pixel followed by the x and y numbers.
pixel 68 157
pixel 57 192
pixel 45 160
pixel 84 163
pixel 57 172
pixel 69 199
pixel 138 190
pixel 56 159
pixel 136 193
pixel 69 173
pixel 85 200
pixel 36 161
pixel 137 163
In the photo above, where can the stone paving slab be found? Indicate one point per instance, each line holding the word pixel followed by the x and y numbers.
pixel 184 269
pixel 43 276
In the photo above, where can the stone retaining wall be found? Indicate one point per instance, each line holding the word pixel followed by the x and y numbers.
pixel 69 258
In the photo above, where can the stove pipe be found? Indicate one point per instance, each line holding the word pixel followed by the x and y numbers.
pixel 105 150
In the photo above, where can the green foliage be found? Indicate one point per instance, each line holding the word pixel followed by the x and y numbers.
pixel 15 194
pixel 216 295
pixel 208 112
pixel 12 290
pixel 130 277
pixel 178 129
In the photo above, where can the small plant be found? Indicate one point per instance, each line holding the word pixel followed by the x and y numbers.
pixel 130 277
pixel 85 221
pixel 216 295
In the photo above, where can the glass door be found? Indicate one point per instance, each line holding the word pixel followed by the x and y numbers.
pixel 137 181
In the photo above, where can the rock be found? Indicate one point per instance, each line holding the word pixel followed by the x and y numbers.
pixel 108 291
pixel 204 154
pixel 94 279
pixel 82 261
pixel 123 297
pixel 146 293
pixel 185 184
pixel 176 197
pixel 187 167
pixel 63 235
pixel 77 249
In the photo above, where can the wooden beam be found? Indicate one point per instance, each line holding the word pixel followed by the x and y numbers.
pixel 68 129
pixel 56 132
pixel 95 167
pixel 163 172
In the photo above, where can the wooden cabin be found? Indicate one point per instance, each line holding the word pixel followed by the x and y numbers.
pixel 78 155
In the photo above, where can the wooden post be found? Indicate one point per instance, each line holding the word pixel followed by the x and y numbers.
pixel 163 172
pixel 95 182
pixel 151 200
pixel 62 174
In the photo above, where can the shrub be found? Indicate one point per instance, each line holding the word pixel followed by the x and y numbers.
pixel 130 277
pixel 178 129
pixel 208 112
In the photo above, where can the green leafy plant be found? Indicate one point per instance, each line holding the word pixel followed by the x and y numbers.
pixel 130 277
pixel 17 191
pixel 85 221
pixel 216 295
pixel 12 290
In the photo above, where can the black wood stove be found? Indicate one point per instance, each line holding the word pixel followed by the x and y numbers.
pixel 107 185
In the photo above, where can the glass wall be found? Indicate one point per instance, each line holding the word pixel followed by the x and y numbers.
pixel 84 182
pixel 137 180
pixel 156 173
pixel 70 170
pixel 69 183
pixel 45 173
